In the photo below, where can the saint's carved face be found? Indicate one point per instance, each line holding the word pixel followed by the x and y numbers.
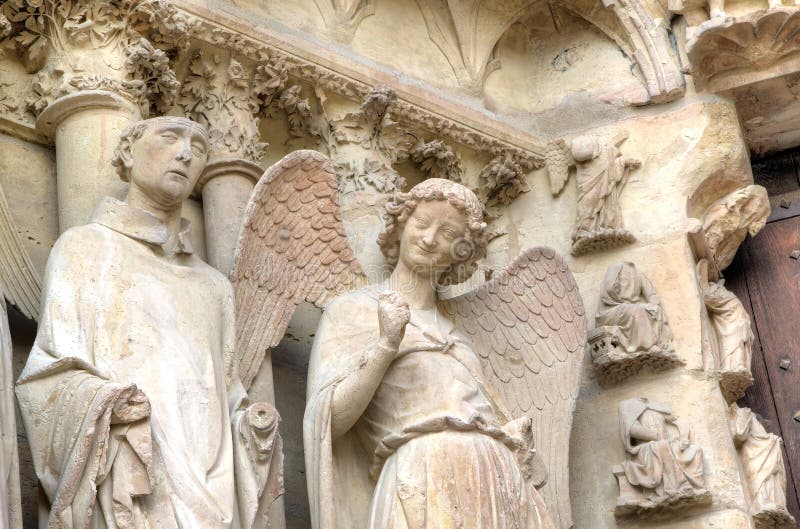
pixel 429 235
pixel 168 159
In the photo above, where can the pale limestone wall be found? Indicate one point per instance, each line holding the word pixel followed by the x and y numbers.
pixel 553 82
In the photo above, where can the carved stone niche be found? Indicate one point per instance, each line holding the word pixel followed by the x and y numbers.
pixel 663 470
pixel 725 224
pixel 631 330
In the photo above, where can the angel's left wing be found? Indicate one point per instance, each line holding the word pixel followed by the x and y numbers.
pixel 292 247
pixel 528 326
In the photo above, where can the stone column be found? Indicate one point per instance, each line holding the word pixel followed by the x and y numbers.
pixel 86 127
pixel 225 186
pixel 228 93
pixel 96 70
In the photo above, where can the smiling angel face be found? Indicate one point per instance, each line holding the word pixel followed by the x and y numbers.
pixel 429 237
pixel 436 226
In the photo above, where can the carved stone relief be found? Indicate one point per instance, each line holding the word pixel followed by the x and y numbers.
pixel 761 457
pixel 725 224
pixel 366 144
pixel 228 94
pixel 727 52
pixel 602 171
pixel 75 45
pixel 663 471
pixel 631 330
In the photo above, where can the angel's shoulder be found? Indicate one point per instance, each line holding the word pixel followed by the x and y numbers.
pixel 355 301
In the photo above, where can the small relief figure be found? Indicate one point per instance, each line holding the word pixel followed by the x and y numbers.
pixel 601 171
pixel 762 462
pixel 631 330
pixel 664 470
pixel 423 412
pixel 734 339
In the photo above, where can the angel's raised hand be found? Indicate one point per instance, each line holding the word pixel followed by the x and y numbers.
pixel 393 316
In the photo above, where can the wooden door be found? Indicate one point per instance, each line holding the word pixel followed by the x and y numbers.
pixel 766 278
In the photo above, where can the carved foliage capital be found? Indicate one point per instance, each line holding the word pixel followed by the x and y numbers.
pixel 228 93
pixel 124 44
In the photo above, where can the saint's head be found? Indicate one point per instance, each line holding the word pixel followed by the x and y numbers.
pixel 163 157
pixel 436 230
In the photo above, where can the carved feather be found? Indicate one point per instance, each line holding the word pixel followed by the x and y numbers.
pixel 20 280
pixel 292 248
pixel 528 325
pixel 558 160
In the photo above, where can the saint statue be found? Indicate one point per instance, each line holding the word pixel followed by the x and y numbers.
pixel 414 418
pixel 761 455
pixel 734 339
pixel 664 469
pixel 131 396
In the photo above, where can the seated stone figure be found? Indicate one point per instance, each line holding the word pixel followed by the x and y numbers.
pixel 631 329
pixel 130 397
pixel 663 469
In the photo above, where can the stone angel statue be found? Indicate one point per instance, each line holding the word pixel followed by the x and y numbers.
pixel 601 173
pixel 424 412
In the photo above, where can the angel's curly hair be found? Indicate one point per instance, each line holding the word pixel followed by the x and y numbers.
pixel 123 157
pixel 467 250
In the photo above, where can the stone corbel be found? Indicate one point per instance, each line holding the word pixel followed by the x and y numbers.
pixel 96 70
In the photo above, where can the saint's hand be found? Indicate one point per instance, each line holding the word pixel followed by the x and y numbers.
pixel 131 408
pixel 263 421
pixel 393 315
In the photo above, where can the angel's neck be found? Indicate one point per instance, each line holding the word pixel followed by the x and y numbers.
pixel 417 290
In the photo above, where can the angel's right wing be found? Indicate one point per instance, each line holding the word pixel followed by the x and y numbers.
pixel 558 160
pixel 292 247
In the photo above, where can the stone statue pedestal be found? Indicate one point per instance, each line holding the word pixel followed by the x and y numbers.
pixel 613 364
pixel 734 383
pixel 602 239
pixel 631 505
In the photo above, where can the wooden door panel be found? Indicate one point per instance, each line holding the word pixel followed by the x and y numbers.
pixel 759 397
pixel 773 280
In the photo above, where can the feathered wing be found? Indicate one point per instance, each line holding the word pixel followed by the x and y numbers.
pixel 292 247
pixel 19 279
pixel 528 326
pixel 558 160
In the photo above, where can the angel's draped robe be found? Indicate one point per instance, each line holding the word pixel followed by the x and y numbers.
pixel 439 457
pixel 118 311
